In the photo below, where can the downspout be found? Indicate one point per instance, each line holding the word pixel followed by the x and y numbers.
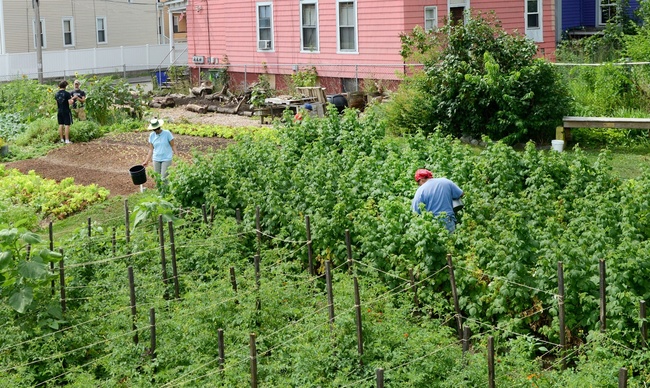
pixel 558 22
pixel 3 48
pixel 172 55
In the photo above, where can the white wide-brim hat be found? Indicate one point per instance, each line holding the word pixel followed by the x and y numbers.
pixel 155 123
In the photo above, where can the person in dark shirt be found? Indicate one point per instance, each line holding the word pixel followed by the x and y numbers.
pixel 79 97
pixel 64 114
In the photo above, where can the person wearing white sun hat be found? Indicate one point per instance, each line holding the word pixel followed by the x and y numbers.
pixel 161 148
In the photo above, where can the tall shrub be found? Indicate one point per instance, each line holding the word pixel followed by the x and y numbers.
pixel 484 81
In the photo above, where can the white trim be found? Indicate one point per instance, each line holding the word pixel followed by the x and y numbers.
pixel 599 11
pixel 457 4
pixel 257 24
pixel 44 42
pixel 434 19
pixel 105 41
pixel 3 47
pixel 338 28
pixel 536 34
pixel 302 43
pixel 72 37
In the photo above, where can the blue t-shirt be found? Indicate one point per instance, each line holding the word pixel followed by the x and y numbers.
pixel 437 195
pixel 162 150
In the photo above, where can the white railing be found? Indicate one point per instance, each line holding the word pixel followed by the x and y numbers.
pixel 61 64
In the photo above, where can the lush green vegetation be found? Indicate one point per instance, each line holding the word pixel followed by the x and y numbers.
pixel 524 213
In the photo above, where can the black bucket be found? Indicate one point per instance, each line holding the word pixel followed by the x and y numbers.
pixel 340 102
pixel 138 174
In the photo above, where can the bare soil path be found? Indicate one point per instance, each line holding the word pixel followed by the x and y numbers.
pixel 106 161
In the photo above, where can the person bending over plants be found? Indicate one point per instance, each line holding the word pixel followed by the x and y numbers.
pixel 437 195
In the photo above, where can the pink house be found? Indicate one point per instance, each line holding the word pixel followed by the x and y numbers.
pixel 347 41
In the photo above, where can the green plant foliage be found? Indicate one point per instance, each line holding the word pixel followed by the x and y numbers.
pixel 207 130
pixel 45 197
pixel 305 77
pixel 27 98
pixel 261 90
pixel 109 100
pixel 23 273
pixel 481 80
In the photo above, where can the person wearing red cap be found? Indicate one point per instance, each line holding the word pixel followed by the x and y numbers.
pixel 437 195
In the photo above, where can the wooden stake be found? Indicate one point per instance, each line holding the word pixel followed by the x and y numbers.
pixel 253 361
pixel 644 324
pixel 152 325
pixel 414 288
pixel 133 306
pixel 357 307
pixel 454 292
pixel 490 362
pixel 603 287
pixel 53 283
pixel 126 221
pixel 348 246
pixel 622 378
pixel 560 305
pixel 62 280
pixel 163 260
pixel 330 293
pixel 222 353
pixel 89 227
pixel 310 260
pixel 114 242
pixel 380 378
pixel 238 216
pixel 258 228
pixel 211 214
pixel 205 215
pixel 172 248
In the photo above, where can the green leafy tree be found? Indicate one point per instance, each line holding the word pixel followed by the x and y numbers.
pixel 481 80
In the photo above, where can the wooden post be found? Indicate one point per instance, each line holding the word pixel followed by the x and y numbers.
pixel 126 221
pixel 133 306
pixel 62 281
pixel 380 378
pixel 644 324
pixel 205 215
pixel 491 362
pixel 89 227
pixel 53 283
pixel 357 307
pixel 467 333
pixel 414 288
pixel 253 361
pixel 152 324
pixel 454 292
pixel 222 353
pixel 330 293
pixel 603 287
pixel 348 246
pixel 238 216
pixel 172 248
pixel 309 248
pixel 258 302
pixel 258 228
pixel 163 260
pixel 114 242
pixel 211 214
pixel 622 378
pixel 560 305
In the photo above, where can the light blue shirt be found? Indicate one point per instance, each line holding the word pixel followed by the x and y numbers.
pixel 437 195
pixel 162 150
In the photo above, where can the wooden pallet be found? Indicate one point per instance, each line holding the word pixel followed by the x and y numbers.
pixel 315 92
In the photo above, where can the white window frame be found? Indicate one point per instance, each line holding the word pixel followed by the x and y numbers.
pixel 433 22
pixel 105 41
pixel 257 20
pixel 43 35
pixel 457 4
pixel 536 34
pixel 72 40
pixel 339 50
pixel 599 10
pixel 315 27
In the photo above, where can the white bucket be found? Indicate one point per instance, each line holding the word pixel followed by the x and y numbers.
pixel 558 145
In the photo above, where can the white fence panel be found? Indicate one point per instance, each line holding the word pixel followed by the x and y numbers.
pixel 91 61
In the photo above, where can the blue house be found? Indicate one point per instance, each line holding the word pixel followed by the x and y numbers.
pixel 586 17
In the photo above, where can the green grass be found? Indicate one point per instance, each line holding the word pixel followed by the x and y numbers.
pixel 626 164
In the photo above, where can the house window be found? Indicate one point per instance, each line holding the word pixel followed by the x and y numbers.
pixel 180 26
pixel 309 25
pixel 606 11
pixel 264 26
pixel 101 30
pixel 43 41
pixel 430 18
pixel 532 14
pixel 68 32
pixel 347 26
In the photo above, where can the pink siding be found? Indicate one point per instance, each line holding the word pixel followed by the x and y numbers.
pixel 219 28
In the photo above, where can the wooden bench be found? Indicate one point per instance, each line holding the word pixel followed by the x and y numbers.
pixel 564 132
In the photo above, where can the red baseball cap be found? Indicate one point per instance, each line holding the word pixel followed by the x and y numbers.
pixel 422 173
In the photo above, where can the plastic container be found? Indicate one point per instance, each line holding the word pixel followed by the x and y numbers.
pixel 138 174
pixel 557 145
pixel 161 77
pixel 340 102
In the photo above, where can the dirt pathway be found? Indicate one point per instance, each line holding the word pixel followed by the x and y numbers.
pixel 106 161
